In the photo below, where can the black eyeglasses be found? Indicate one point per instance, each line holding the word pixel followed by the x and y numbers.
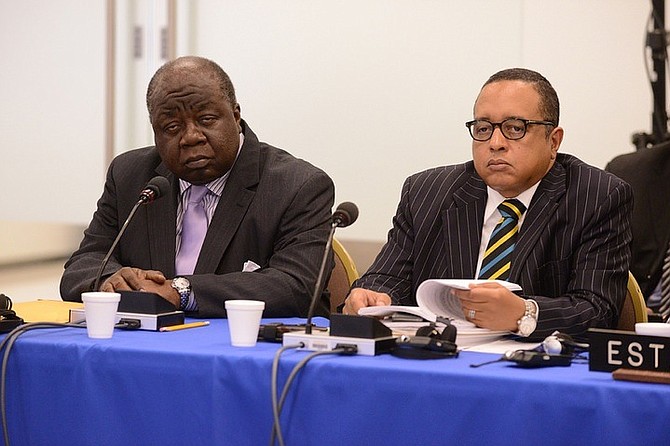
pixel 511 128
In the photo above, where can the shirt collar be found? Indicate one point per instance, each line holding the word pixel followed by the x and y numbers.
pixel 494 200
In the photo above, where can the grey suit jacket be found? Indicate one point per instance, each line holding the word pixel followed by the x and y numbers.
pixel 275 211
pixel 572 255
pixel 647 171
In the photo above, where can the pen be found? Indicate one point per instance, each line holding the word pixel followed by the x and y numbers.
pixel 185 326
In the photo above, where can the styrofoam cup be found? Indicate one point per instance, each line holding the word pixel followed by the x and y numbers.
pixel 244 320
pixel 100 309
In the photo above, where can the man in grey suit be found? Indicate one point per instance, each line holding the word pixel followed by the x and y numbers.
pixel 572 253
pixel 268 213
pixel 647 170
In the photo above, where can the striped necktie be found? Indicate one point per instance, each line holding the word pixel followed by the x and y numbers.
pixel 498 255
pixel 664 308
pixel 193 231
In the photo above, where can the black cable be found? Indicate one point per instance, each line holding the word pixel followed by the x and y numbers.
pixel 7 344
pixel 278 405
pixel 273 390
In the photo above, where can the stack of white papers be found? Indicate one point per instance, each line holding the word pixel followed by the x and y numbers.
pixel 435 301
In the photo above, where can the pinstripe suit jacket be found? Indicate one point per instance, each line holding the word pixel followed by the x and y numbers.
pixel 572 255
pixel 275 211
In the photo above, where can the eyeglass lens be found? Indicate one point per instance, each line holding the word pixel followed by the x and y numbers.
pixel 481 130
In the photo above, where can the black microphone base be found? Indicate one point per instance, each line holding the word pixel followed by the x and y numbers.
pixel 144 302
pixel 151 322
pixel 357 326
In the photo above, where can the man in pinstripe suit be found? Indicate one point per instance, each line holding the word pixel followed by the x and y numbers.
pixel 572 254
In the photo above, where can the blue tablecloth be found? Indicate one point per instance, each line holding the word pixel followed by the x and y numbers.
pixel 193 387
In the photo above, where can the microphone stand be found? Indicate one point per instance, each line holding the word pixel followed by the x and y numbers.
pixel 657 42
pixel 153 190
pixel 142 200
pixel 349 334
pixel 139 309
pixel 319 279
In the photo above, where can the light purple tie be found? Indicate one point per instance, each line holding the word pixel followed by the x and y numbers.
pixel 193 231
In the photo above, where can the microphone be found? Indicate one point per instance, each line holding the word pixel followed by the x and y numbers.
pixel 363 335
pixel 155 188
pixel 345 214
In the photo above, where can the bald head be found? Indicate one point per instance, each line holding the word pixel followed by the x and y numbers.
pixel 187 67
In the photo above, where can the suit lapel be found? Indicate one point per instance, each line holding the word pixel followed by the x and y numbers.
pixel 463 227
pixel 235 200
pixel 541 209
pixel 161 218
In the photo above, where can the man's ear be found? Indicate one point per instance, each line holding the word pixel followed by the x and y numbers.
pixel 237 112
pixel 556 137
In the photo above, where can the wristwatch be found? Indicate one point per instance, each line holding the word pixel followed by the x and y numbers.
pixel 183 287
pixel 526 325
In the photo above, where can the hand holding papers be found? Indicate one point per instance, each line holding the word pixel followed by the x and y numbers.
pixel 435 301
pixel 435 295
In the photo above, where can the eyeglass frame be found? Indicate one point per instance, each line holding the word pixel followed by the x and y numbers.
pixel 526 123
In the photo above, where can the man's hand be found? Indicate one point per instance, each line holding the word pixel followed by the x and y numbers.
pixel 360 297
pixel 136 279
pixel 494 306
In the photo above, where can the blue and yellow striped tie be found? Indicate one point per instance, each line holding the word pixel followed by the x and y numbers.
pixel 498 256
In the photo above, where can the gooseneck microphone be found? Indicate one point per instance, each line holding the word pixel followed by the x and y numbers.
pixel 345 214
pixel 155 188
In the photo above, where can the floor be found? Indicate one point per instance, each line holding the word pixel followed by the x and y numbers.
pixel 31 281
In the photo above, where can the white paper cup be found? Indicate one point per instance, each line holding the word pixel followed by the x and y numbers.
pixel 100 310
pixel 244 319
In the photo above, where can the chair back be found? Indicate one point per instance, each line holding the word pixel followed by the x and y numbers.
pixel 342 277
pixel 634 307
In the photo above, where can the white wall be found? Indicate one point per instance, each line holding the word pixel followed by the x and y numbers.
pixel 369 90
pixel 51 109
pixel 374 90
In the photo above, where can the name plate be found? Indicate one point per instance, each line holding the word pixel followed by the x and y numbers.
pixel 613 349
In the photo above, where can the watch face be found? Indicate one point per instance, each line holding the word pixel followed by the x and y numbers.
pixel 181 282
pixel 527 325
